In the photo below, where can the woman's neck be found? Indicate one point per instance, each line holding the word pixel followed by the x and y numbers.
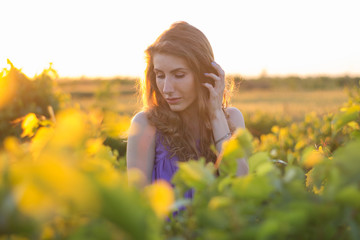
pixel 190 118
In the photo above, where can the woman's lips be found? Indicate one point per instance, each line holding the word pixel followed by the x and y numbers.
pixel 173 100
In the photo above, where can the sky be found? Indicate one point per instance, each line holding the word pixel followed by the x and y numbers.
pixel 107 38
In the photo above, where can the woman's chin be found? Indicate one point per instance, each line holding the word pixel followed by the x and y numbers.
pixel 176 108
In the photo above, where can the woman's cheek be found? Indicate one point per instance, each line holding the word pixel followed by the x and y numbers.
pixel 159 85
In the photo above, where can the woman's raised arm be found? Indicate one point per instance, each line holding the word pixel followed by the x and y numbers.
pixel 221 129
pixel 237 120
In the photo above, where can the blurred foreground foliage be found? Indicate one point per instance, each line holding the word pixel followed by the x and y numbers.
pixel 304 183
pixel 65 183
pixel 20 95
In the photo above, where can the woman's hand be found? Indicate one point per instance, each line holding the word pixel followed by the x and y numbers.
pixel 216 91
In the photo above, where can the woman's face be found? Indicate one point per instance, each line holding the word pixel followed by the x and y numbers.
pixel 175 81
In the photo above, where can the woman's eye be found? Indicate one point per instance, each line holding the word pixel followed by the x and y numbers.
pixel 160 76
pixel 179 75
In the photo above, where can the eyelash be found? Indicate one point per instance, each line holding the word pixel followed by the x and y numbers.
pixel 179 75
pixel 176 75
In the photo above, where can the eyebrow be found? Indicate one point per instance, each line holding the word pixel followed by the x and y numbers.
pixel 172 71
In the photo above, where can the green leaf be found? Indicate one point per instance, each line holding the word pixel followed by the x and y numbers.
pixel 126 210
pixel 239 146
pixel 355 134
pixel 269 229
pixel 341 119
pixel 252 187
pixel 293 173
pixel 349 196
pixel 226 181
pixel 259 160
pixel 194 174
pixel 347 161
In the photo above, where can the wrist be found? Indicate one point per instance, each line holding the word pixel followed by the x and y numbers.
pixel 223 138
pixel 221 130
pixel 218 114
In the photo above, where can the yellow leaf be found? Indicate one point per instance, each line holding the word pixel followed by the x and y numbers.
pixel 94 145
pixel 104 172
pixel 71 129
pixel 11 144
pixel 317 190
pixel 300 144
pixel 161 197
pixel 115 125
pixel 29 125
pixel 40 140
pixel 7 89
pixel 48 183
pixel 48 232
pixel 231 146
pixel 275 129
pixel 218 201
pixel 313 158
pixel 33 201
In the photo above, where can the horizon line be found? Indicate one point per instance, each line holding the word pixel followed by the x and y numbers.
pixel 261 75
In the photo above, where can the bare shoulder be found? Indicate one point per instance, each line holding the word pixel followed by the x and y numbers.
pixel 236 117
pixel 139 123
pixel 140 117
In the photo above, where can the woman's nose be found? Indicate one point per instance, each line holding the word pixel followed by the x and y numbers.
pixel 168 86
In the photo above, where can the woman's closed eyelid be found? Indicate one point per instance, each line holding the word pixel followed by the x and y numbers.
pixel 181 75
pixel 177 75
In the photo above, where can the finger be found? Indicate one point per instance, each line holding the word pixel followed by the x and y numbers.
pixel 219 82
pixel 211 88
pixel 218 69
pixel 213 76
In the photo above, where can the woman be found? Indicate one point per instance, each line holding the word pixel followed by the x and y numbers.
pixel 185 108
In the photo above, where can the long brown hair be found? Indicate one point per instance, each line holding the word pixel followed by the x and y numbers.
pixel 185 41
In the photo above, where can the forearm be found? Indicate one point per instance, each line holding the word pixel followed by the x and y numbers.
pixel 221 129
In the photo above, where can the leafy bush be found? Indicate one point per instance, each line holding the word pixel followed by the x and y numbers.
pixel 20 95
pixel 328 133
pixel 273 204
pixel 64 183
pixel 260 123
pixel 304 183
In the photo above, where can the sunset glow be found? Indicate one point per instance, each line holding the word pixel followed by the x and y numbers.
pixel 108 38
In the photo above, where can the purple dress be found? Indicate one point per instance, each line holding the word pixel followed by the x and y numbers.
pixel 164 165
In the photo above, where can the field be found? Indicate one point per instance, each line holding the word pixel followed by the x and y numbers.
pixel 284 102
pixel 291 103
